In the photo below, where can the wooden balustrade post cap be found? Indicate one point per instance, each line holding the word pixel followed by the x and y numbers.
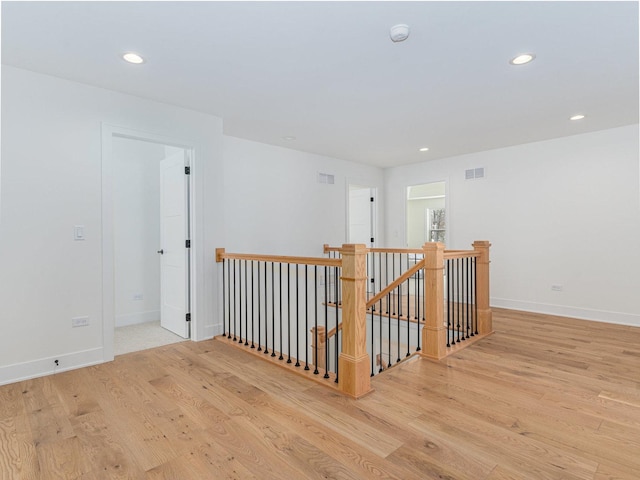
pixel 219 254
pixel 433 246
pixel 354 248
pixel 481 243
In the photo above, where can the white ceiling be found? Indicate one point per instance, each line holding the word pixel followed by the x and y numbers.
pixel 328 74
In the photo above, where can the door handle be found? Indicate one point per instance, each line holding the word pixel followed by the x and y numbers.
pixel 161 252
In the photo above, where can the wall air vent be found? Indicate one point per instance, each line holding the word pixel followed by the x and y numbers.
pixel 473 173
pixel 326 178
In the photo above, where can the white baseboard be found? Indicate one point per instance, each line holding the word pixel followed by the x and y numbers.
pixel 46 366
pixel 127 319
pixel 605 316
pixel 211 331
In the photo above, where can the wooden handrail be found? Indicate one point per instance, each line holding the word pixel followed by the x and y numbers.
pixel 395 283
pixel 328 262
pixel 327 249
pixel 333 331
pixel 461 254
pixel 419 251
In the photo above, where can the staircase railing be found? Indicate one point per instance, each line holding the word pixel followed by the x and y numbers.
pixel 353 321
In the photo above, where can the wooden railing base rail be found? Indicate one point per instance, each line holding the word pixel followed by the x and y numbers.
pixel 448 351
pixel 319 378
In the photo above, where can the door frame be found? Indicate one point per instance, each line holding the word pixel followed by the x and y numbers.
pixel 447 207
pixel 108 257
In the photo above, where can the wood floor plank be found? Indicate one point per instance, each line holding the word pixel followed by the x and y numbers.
pixel 544 398
pixel 104 448
pixel 17 449
pixel 63 460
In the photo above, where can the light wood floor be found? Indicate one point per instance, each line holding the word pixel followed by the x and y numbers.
pixel 542 398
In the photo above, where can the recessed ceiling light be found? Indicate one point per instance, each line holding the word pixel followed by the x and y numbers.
pixel 132 58
pixel 424 149
pixel 289 138
pixel 522 59
pixel 577 117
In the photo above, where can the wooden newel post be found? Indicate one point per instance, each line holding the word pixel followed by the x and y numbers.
pixel 434 332
pixel 354 362
pixel 318 348
pixel 485 316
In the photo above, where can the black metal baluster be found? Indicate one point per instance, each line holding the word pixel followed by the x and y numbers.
pixel 398 319
pixel 421 271
pixel 297 318
pixel 224 297
pixel 372 315
pixel 338 287
pixel 246 304
pixel 393 277
pixel 259 313
pixel 240 300
pixel 337 331
pixel 306 317
pixel 273 309
pixel 386 276
pixel 389 342
pixel 235 306
pixel 266 311
pixel 372 281
pixel 289 312
pixel 252 304
pixel 467 293
pixel 229 295
pixel 459 289
pixel 450 338
pixel 456 313
pixel 475 292
pixel 464 299
pixel 315 309
pixel 399 290
pixel 326 326
pixel 408 316
pixel 280 305
pixel 416 284
pixel 424 302
pixel 379 336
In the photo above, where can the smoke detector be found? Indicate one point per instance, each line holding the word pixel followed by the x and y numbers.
pixel 399 33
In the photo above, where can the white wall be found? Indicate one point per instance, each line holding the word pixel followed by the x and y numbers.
pixel 275 205
pixel 562 212
pixel 51 181
pixel 136 218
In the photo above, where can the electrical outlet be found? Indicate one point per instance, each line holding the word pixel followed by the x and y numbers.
pixel 556 288
pixel 137 296
pixel 80 322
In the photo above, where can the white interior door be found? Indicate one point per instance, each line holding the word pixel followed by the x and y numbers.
pixel 360 215
pixel 173 235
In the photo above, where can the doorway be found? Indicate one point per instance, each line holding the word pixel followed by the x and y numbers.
pixel 426 214
pixel 361 215
pixel 148 227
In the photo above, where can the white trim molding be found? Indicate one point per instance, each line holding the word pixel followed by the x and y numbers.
pixel 46 366
pixel 618 318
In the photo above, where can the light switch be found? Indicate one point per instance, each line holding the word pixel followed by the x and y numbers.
pixel 78 232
